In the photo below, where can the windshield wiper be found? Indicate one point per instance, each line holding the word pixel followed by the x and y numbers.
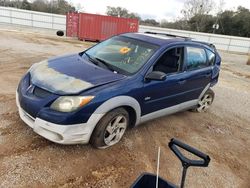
pixel 98 61
pixel 107 65
pixel 91 59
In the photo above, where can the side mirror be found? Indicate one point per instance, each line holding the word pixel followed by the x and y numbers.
pixel 156 75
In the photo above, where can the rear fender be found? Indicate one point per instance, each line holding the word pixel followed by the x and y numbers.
pixel 216 70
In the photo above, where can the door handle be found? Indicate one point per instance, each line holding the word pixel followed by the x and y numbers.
pixel 182 81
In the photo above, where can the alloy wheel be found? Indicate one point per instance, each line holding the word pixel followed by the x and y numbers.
pixel 205 103
pixel 115 130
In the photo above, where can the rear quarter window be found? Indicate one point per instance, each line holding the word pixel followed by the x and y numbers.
pixel 196 58
pixel 211 57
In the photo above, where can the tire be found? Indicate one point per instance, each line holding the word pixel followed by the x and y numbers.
pixel 110 129
pixel 60 33
pixel 205 102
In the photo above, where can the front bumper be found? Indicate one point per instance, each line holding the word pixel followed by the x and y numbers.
pixel 62 134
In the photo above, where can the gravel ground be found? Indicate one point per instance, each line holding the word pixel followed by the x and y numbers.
pixel 28 160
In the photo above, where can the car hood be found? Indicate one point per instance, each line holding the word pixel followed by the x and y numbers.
pixel 70 75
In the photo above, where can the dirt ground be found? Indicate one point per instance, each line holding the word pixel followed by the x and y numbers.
pixel 28 160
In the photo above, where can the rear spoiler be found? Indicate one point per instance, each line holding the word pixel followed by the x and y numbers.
pixel 207 44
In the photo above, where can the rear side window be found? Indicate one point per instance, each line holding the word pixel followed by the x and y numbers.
pixel 196 58
pixel 211 57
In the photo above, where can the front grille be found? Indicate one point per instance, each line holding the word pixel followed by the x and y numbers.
pixel 39 92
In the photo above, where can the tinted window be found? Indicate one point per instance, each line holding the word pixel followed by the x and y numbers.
pixel 211 57
pixel 196 58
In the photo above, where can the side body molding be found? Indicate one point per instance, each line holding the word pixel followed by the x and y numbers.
pixel 174 109
pixel 132 102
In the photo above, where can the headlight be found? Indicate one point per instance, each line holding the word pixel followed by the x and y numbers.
pixel 70 103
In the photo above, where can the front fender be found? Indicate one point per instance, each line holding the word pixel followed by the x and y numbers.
pixel 109 105
pixel 118 101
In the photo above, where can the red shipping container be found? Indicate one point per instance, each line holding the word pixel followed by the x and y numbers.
pixel 72 23
pixel 95 27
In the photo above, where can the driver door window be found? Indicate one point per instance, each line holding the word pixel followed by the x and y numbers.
pixel 171 61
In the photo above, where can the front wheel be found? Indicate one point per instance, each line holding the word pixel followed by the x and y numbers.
pixel 110 128
pixel 205 102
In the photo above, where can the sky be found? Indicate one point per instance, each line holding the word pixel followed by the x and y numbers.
pixel 155 9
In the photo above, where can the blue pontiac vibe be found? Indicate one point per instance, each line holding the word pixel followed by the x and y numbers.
pixel 95 95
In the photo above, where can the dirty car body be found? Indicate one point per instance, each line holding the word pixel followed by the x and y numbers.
pixel 63 99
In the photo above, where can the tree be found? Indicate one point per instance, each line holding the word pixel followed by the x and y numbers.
pixel 63 7
pixel 53 6
pixel 197 9
pixel 241 22
pixel 178 24
pixel 40 5
pixel 26 5
pixel 235 23
pixel 121 12
pixel 117 11
pixel 206 25
pixel 150 22
pixel 219 8
pixel 79 7
pixel 225 21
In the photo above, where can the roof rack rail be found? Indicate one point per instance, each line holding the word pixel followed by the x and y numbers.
pixel 166 34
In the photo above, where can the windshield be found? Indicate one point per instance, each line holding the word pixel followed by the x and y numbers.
pixel 122 54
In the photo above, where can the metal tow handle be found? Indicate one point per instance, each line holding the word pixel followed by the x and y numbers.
pixel 185 161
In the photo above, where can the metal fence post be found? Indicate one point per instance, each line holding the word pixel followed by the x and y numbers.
pixel 229 44
pixel 32 20
pixel 249 48
pixel 11 21
pixel 209 38
pixel 52 19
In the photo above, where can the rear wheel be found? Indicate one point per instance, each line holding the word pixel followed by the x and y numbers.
pixel 205 102
pixel 110 128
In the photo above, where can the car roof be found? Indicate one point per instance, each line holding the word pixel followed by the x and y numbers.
pixel 163 39
pixel 157 39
